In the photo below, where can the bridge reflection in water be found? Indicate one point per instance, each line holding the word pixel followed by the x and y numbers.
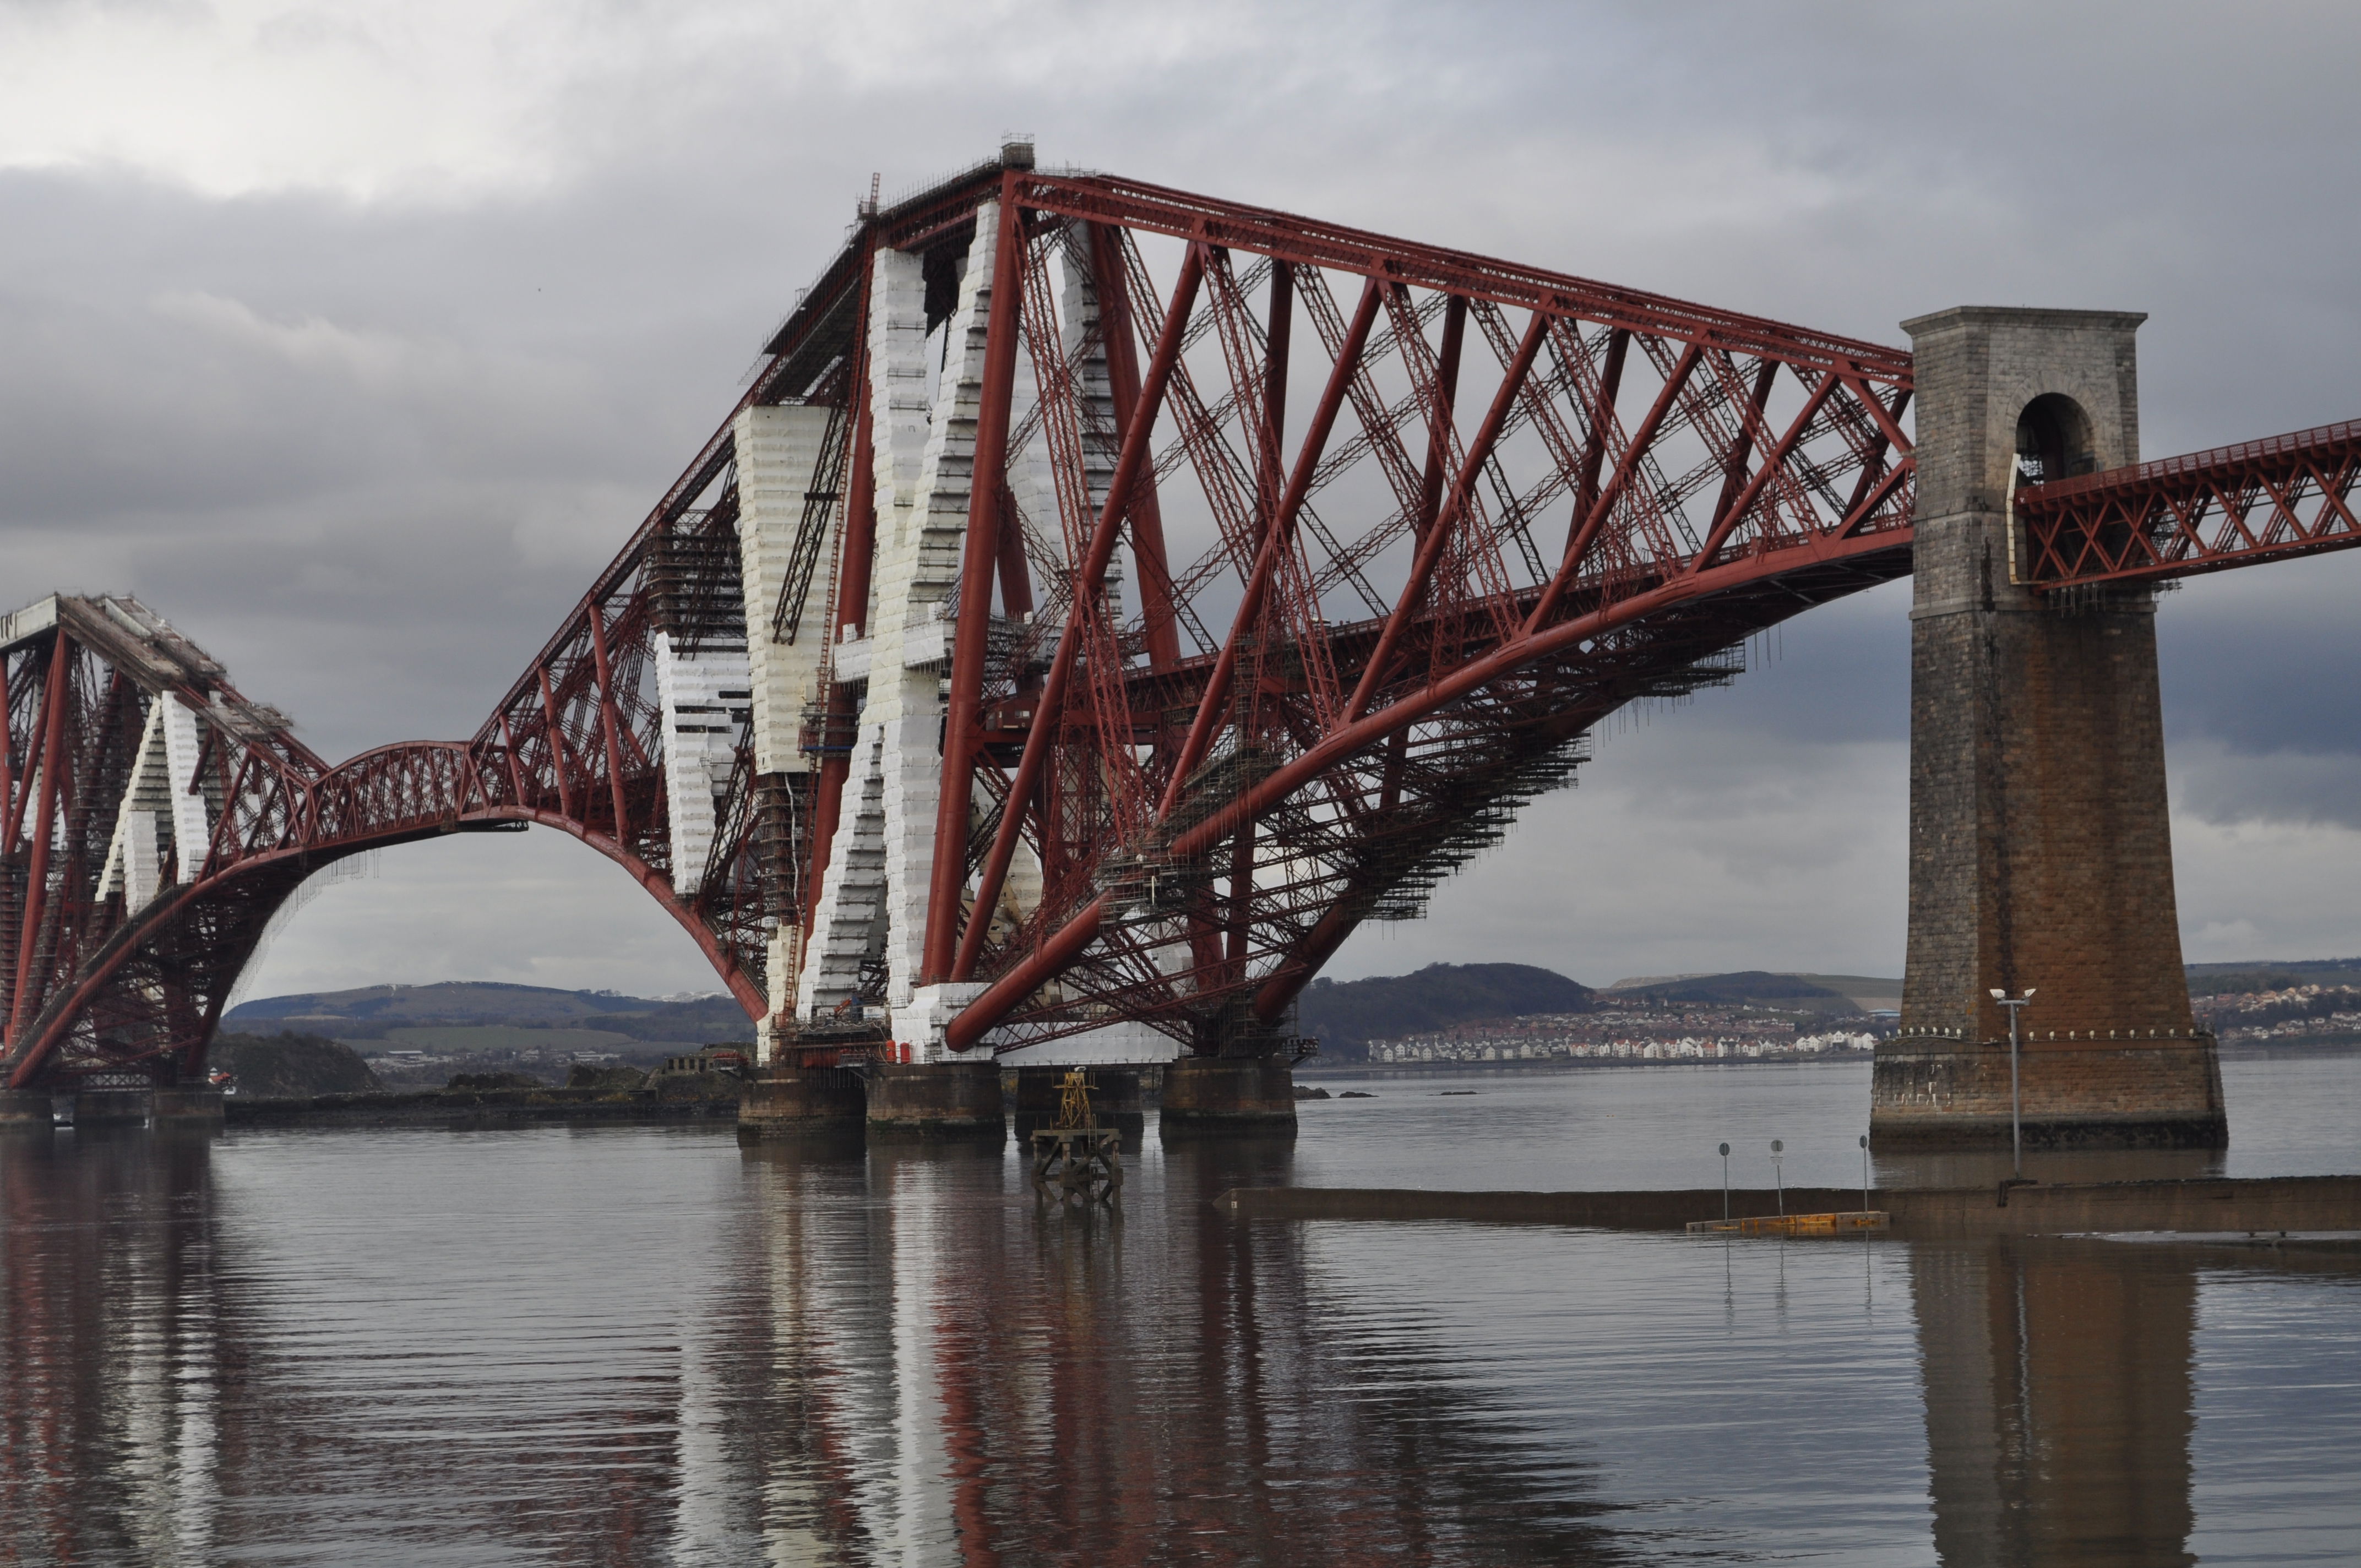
pixel 878 1356
pixel 1144 1387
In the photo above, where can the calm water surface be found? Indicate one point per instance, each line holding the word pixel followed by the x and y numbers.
pixel 647 1346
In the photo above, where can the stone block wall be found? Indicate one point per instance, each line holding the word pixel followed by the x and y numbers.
pixel 2040 849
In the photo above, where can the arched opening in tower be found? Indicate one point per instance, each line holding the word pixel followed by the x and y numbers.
pixel 2053 441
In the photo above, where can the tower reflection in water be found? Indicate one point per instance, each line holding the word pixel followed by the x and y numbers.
pixel 2062 1399
pixel 646 1348
pixel 2060 1384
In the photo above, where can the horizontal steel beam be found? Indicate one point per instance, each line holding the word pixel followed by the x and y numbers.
pixel 2203 511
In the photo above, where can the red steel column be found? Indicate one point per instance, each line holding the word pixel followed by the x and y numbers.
pixel 1270 476
pixel 558 762
pixel 509 750
pixel 53 714
pixel 971 642
pixel 1131 465
pixel 1163 636
pixel 607 720
pixel 1016 578
pixel 1446 398
pixel 1602 417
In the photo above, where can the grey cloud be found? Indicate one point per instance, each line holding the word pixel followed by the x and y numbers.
pixel 2267 660
pixel 2224 788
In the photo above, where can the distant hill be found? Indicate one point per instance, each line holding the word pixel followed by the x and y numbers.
pixel 2271 974
pixel 1802 993
pixel 1345 1015
pixel 1867 992
pixel 371 1013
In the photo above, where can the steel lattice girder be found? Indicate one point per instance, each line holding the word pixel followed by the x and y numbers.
pixel 94 687
pixel 1211 826
pixel 2289 494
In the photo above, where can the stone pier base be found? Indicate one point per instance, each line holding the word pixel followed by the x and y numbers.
pixel 790 1102
pixel 1222 1094
pixel 1931 1093
pixel 24 1109
pixel 113 1107
pixel 937 1100
pixel 186 1107
pixel 1116 1097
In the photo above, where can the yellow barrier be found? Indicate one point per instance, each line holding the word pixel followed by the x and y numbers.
pixel 1796 1224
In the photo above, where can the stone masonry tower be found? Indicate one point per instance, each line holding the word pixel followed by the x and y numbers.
pixel 2039 852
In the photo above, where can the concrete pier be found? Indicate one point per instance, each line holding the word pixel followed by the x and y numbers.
pixel 937 1100
pixel 1954 1094
pixel 1218 1093
pixel 790 1102
pixel 1117 1099
pixel 191 1107
pixel 27 1110
pixel 113 1107
pixel 2206 1206
pixel 2040 855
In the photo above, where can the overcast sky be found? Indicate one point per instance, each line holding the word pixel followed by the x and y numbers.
pixel 353 338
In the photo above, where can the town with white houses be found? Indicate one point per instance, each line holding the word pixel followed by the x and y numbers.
pixel 1705 1034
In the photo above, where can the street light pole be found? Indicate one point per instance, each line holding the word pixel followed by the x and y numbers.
pixel 2015 1129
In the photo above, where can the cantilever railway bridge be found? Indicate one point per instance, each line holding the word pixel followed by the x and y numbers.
pixel 1101 602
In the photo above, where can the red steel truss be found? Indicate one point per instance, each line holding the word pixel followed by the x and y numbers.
pixel 2290 495
pixel 1298 559
pixel 96 987
pixel 1518 501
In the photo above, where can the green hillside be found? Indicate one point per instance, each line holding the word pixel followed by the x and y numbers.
pixel 1756 988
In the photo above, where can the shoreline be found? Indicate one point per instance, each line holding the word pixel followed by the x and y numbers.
pixel 1313 1071
pixel 1307 1072
pixel 434 1106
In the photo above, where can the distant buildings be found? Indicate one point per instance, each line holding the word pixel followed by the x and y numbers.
pixel 1665 1035
pixel 2304 1015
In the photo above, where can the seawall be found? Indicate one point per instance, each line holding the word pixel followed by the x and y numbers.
pixel 2200 1206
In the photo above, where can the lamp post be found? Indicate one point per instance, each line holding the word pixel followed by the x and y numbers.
pixel 2015 1129
pixel 1725 1182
